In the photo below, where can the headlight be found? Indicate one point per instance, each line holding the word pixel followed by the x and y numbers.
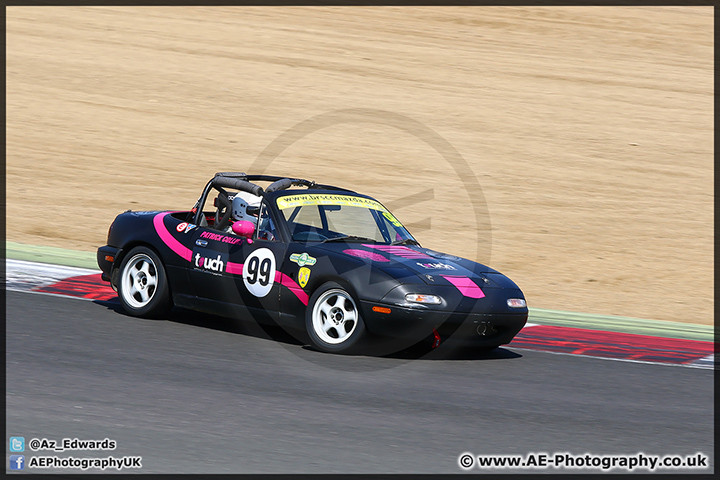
pixel 422 298
pixel 516 303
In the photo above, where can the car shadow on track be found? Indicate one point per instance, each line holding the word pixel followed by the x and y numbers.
pixel 456 353
pixel 252 328
pixel 440 353
pixel 246 327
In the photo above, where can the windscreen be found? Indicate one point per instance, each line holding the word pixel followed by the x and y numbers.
pixel 325 217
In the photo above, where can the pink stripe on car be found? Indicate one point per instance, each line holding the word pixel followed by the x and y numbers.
pixel 288 282
pixel 231 268
pixel 466 286
pixel 168 239
pixel 234 268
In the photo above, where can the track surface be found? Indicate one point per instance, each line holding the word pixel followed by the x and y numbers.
pixel 202 394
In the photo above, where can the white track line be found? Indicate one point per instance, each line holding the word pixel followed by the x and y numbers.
pixel 59 295
pixel 707 362
pixel 695 364
pixel 22 275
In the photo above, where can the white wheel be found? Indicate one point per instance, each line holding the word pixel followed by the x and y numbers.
pixel 139 281
pixel 143 286
pixel 334 316
pixel 333 320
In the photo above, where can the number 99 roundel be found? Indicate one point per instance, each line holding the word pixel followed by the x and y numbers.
pixel 259 272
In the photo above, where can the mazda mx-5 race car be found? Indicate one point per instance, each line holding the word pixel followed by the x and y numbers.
pixel 333 266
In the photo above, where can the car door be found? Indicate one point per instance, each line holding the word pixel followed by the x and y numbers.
pixel 234 270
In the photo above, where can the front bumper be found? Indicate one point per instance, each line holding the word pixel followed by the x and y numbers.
pixel 480 329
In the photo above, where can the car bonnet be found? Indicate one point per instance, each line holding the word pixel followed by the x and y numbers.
pixel 431 267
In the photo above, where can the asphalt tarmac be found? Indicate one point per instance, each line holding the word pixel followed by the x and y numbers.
pixel 202 394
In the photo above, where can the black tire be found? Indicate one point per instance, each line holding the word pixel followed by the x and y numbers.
pixel 143 286
pixel 333 321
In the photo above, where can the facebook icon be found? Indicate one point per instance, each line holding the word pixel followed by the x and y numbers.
pixel 17 462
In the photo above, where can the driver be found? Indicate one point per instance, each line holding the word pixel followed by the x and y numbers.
pixel 240 204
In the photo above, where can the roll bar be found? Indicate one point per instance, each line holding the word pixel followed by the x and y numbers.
pixel 243 182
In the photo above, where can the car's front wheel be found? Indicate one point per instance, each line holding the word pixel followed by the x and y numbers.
pixel 143 287
pixel 333 320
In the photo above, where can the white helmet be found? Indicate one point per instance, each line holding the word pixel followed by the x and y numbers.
pixel 240 203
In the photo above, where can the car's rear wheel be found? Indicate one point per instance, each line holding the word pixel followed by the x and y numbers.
pixel 143 287
pixel 333 320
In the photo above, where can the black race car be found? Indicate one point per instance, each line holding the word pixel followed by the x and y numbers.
pixel 327 264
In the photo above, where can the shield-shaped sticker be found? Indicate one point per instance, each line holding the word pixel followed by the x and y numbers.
pixel 303 276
